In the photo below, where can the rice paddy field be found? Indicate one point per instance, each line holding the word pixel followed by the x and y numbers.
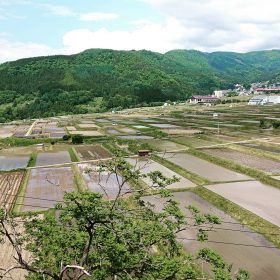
pixel 146 166
pixel 204 168
pixel 13 162
pixel 103 182
pixel 57 157
pixel 252 161
pixel 174 133
pixel 261 262
pixel 9 186
pixel 254 196
pixel 46 187
pixel 92 152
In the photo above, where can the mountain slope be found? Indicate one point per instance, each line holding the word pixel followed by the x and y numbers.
pixel 123 78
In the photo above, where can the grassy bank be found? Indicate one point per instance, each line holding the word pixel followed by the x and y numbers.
pixel 73 155
pixel 20 195
pixel 256 223
pixel 179 170
pixel 256 174
pixel 32 159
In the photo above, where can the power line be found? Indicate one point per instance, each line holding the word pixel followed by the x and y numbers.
pixel 231 243
pixel 212 228
pixel 61 201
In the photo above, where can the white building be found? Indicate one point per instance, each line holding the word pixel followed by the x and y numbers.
pixel 264 99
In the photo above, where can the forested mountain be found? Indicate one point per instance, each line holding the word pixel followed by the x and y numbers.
pixel 96 79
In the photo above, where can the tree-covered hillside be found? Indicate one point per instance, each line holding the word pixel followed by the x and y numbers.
pixel 96 79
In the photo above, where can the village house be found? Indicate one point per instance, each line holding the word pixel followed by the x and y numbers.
pixel 195 99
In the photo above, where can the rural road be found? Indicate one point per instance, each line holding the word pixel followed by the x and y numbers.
pixel 28 133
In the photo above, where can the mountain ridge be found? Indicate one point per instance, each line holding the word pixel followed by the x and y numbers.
pixel 124 78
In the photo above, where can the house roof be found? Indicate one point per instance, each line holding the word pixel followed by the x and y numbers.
pixel 209 97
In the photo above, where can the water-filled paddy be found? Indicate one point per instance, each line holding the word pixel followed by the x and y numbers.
pixel 146 166
pixel 53 158
pixel 11 162
pixel 102 182
pixel 203 168
pixel 254 196
pixel 46 186
pixel 262 263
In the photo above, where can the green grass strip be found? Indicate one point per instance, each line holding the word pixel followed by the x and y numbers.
pixel 32 160
pixel 256 223
pixel 20 195
pixel 73 155
pixel 78 179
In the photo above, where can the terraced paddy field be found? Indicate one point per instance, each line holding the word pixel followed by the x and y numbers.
pixel 103 182
pixel 92 152
pixel 9 186
pixel 252 161
pixel 193 141
pixel 13 162
pixel 254 196
pixel 92 133
pixel 263 263
pixel 165 145
pixel 136 137
pixel 262 147
pixel 146 166
pixel 45 187
pixel 203 168
pixel 58 157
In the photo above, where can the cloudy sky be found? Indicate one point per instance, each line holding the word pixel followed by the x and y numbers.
pixel 44 27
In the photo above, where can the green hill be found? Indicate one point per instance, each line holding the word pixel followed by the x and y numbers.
pixel 96 80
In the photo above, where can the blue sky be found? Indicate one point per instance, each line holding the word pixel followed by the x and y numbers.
pixel 45 27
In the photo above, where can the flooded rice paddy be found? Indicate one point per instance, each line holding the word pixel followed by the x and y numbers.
pixel 46 186
pixel 103 182
pixel 203 168
pixel 12 162
pixel 252 161
pixel 165 145
pixel 254 196
pixel 146 166
pixel 53 158
pixel 263 263
pixel 92 152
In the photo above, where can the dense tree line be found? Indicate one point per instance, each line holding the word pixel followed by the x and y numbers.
pixel 98 80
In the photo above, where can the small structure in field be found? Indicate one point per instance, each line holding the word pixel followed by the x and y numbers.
pixel 195 99
pixel 143 153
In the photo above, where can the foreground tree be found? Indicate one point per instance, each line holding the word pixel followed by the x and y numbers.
pixel 93 238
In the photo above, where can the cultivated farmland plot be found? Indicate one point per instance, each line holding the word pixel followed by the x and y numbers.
pixel 92 133
pixel 9 186
pixel 254 196
pixel 145 166
pixel 10 162
pixel 262 263
pixel 102 182
pixel 45 187
pixel 53 158
pixel 92 152
pixel 165 145
pixel 252 161
pixel 205 169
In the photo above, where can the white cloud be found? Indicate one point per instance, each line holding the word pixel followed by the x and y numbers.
pixel 10 50
pixel 236 25
pixel 98 16
pixel 152 36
